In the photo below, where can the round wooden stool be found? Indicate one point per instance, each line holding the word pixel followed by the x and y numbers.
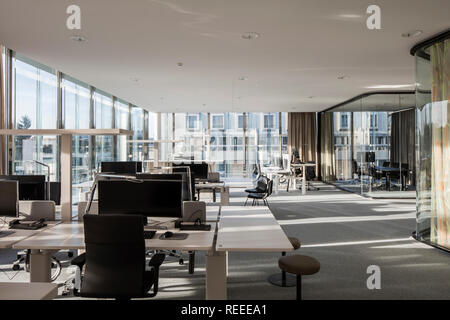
pixel 282 279
pixel 299 265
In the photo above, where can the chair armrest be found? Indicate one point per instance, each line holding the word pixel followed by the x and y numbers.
pixel 79 261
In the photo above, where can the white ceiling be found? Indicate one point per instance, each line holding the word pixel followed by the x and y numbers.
pixel 304 46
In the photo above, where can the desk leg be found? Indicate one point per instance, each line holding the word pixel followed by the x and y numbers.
pixel 40 266
pixel 304 181
pixel 214 194
pixel 216 276
pixel 225 196
pixel 276 183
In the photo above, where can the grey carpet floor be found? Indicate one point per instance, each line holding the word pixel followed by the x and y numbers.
pixel 345 232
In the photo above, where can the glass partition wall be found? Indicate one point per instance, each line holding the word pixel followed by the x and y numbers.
pixel 374 144
pixel 433 141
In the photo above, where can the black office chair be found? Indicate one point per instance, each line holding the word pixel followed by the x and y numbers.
pixel 114 260
pixel 261 185
pixel 261 196
pixel 310 175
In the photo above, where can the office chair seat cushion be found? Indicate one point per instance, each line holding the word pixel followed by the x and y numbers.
pixel 255 190
pixel 299 264
pixel 79 261
pixel 256 195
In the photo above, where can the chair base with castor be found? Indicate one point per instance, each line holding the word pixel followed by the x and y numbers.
pixel 299 265
pixel 282 279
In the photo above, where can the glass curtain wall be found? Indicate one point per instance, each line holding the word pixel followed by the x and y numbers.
pixel 34 91
pixel 137 125
pixel 104 114
pixel 122 121
pixel 76 102
pixel 433 142
pixel 234 142
pixel 374 144
pixel 192 129
pixel 227 143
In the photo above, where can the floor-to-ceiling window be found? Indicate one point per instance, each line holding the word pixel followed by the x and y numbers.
pixel 137 125
pixel 76 101
pixel 34 107
pixel 122 121
pixel 103 113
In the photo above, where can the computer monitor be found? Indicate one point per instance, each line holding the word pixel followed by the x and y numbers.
pixel 198 170
pixel 121 167
pixel 150 198
pixel 180 176
pixel 31 187
pixel 9 200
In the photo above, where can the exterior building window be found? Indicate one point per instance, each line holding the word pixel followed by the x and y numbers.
pixel 344 121
pixel 373 121
pixel 192 121
pixel 268 121
pixel 217 121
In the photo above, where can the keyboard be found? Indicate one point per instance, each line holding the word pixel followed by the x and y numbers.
pixel 149 234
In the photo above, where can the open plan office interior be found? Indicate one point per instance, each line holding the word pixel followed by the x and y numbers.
pixel 224 150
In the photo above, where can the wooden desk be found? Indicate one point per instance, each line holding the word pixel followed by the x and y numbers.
pixel 28 291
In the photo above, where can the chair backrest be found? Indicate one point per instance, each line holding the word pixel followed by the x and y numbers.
pixel 310 172
pixel 269 188
pixel 262 183
pixel 115 256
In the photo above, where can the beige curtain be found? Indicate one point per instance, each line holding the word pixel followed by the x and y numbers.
pixel 302 134
pixel 403 142
pixel 440 170
pixel 327 169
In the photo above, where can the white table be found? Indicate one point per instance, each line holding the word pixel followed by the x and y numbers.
pixel 244 229
pixel 28 291
pixel 70 235
pixel 66 155
pixel 303 166
pixel 9 237
pixel 224 191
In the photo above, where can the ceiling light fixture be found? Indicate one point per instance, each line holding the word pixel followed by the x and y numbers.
pixel 413 33
pixel 180 64
pixel 250 35
pixel 342 77
pixel 78 38
pixel 135 79
pixel 242 78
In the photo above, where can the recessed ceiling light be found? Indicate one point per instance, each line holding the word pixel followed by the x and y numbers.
pixel 342 77
pixel 78 38
pixel 135 79
pixel 242 78
pixel 180 64
pixel 413 33
pixel 310 97
pixel 250 35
